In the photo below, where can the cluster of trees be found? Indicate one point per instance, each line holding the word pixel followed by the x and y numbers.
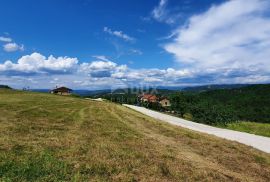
pixel 5 86
pixel 216 107
pixel 120 98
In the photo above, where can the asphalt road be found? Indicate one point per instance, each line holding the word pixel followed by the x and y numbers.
pixel 258 142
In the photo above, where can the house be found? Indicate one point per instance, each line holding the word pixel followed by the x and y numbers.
pixel 62 91
pixel 148 98
pixel 164 102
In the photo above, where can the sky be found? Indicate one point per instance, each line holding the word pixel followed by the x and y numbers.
pixel 102 44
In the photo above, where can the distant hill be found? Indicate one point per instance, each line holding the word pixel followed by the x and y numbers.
pixel 5 86
pixel 129 93
pixel 142 90
pixel 158 90
pixel 213 87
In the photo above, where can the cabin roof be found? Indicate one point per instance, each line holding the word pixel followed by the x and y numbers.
pixel 62 89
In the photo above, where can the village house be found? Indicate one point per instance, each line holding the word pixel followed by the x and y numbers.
pixel 148 98
pixel 62 91
pixel 164 102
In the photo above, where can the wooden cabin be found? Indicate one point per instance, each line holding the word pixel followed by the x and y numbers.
pixel 62 91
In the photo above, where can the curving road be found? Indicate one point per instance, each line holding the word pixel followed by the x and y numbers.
pixel 258 142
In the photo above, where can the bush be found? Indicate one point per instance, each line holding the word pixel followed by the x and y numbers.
pixel 188 116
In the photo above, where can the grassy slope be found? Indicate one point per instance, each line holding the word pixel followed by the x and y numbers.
pixel 50 138
pixel 251 127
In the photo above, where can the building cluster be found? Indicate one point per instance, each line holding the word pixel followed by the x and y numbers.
pixel 149 98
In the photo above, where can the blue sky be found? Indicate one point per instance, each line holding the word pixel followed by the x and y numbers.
pixel 96 44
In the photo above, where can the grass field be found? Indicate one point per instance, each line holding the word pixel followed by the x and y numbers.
pixel 52 138
pixel 262 129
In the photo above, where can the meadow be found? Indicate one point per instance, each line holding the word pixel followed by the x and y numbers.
pixel 44 137
pixel 262 129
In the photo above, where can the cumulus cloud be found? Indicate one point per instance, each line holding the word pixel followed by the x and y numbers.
pixel 100 69
pixel 39 71
pixel 232 36
pixel 119 34
pixel 37 63
pixel 68 70
pixel 5 39
pixel 11 47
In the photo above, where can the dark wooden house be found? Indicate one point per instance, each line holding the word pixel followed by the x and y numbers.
pixel 62 91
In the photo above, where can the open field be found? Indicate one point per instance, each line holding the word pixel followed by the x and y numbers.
pixel 52 138
pixel 258 142
pixel 262 129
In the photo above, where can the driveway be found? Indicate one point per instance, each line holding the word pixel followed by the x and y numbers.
pixel 258 142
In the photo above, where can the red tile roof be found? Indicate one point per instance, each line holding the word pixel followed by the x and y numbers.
pixel 149 97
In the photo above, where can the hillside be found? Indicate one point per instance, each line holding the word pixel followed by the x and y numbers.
pixel 213 87
pixel 223 106
pixel 45 137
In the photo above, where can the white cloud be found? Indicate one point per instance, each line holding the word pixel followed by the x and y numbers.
pixel 136 51
pixel 101 69
pixel 39 71
pixel 234 35
pixel 5 39
pixel 102 65
pixel 159 12
pixel 119 34
pixel 162 13
pixel 11 47
pixel 37 63
pixel 101 57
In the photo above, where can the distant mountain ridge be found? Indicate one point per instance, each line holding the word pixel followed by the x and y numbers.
pixel 158 90
pixel 214 87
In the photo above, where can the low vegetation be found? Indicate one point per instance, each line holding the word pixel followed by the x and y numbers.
pixel 45 137
pixel 251 127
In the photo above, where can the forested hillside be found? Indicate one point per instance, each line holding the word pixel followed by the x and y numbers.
pixel 251 103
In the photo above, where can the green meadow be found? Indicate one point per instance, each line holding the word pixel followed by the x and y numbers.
pixel 44 137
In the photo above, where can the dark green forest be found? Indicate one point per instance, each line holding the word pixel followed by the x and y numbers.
pixel 215 107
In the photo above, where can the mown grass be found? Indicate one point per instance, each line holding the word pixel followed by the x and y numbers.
pixel 36 166
pixel 53 138
pixel 262 129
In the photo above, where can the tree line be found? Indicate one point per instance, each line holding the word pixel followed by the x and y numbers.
pixel 251 103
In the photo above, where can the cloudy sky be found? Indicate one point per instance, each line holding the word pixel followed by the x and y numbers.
pixel 97 44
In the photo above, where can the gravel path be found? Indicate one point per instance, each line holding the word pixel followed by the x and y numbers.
pixel 258 142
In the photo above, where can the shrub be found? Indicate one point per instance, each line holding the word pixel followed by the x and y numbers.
pixel 188 116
